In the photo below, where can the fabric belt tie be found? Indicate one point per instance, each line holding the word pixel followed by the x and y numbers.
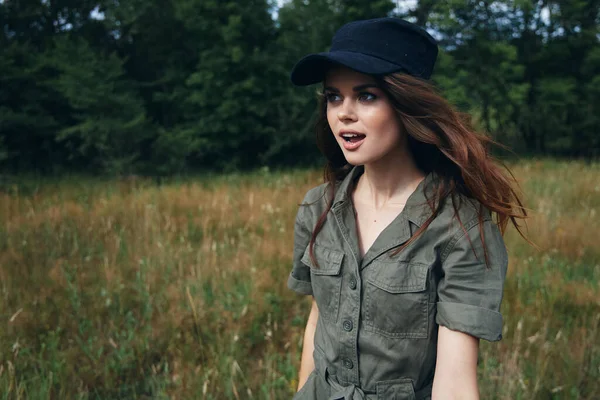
pixel 352 392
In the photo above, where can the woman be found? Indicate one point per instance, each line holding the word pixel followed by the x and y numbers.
pixel 398 247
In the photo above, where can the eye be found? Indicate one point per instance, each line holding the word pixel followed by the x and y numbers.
pixel 366 96
pixel 331 97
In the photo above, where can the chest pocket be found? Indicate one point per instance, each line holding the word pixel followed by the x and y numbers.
pixel 396 299
pixel 326 279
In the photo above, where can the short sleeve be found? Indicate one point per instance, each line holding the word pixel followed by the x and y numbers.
pixel 469 292
pixel 299 278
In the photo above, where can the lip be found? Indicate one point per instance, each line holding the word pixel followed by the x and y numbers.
pixel 351 145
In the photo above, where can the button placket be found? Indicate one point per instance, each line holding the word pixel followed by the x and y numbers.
pixel 350 306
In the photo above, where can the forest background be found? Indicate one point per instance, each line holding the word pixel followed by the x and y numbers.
pixel 157 87
pixel 153 154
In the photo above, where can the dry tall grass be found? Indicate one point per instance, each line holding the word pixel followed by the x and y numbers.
pixel 131 290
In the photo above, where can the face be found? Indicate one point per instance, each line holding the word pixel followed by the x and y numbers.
pixel 361 117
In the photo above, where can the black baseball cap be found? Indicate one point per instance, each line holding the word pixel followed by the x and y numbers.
pixel 376 46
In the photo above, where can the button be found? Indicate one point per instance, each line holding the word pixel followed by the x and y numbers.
pixel 348 363
pixel 352 283
pixel 347 325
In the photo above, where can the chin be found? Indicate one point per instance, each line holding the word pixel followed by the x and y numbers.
pixel 356 159
pixel 361 156
pixel 363 159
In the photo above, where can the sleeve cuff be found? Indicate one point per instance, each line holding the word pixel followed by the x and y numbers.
pixel 475 321
pixel 299 286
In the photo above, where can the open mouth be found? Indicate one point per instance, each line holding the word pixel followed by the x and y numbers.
pixel 353 137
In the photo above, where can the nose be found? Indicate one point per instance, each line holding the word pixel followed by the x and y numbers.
pixel 346 111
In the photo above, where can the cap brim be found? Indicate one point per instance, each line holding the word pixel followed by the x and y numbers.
pixel 312 68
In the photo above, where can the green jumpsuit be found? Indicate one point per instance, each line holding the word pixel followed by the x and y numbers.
pixel 376 335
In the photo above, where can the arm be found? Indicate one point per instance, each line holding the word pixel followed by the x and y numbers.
pixel 456 366
pixel 307 363
pixel 468 308
pixel 299 280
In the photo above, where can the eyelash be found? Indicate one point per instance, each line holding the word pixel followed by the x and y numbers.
pixel 328 96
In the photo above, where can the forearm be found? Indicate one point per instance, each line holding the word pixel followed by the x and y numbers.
pixel 307 363
pixel 454 391
pixel 456 366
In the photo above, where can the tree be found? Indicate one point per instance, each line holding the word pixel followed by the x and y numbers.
pixel 108 118
pixel 227 108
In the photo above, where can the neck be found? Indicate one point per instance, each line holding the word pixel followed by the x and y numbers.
pixel 389 181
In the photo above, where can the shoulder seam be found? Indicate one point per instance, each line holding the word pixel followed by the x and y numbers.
pixel 459 234
pixel 306 201
pixel 301 212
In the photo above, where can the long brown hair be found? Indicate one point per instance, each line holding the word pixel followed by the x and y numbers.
pixel 441 140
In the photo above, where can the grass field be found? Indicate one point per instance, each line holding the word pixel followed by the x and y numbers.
pixel 127 289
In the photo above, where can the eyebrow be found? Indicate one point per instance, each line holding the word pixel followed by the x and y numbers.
pixel 355 88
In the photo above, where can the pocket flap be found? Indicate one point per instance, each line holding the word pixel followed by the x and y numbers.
pixel 401 389
pixel 330 260
pixel 399 277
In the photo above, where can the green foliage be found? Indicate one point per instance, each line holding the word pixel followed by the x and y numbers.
pixel 108 118
pixel 29 109
pixel 162 87
pixel 226 92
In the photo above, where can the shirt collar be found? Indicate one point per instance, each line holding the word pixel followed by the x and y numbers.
pixel 416 209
